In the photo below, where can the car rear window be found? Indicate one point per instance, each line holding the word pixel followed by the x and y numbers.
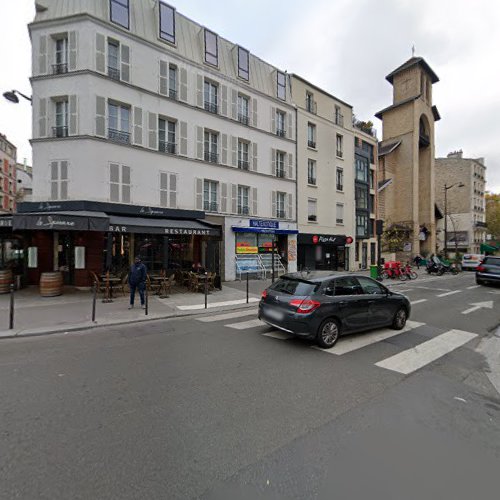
pixel 492 261
pixel 294 287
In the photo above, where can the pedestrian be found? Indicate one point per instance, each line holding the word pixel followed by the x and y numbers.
pixel 417 260
pixel 137 280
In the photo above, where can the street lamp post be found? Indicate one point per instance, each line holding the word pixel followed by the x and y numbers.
pixel 12 96
pixel 445 187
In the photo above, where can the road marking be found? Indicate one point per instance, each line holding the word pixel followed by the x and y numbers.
pixel 418 301
pixel 220 317
pixel 412 359
pixel 449 293
pixel 193 307
pixel 472 287
pixel 435 289
pixel 278 335
pixel 478 305
pixel 351 343
pixel 405 290
pixel 246 324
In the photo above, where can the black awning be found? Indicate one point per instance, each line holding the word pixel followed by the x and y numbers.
pixel 62 221
pixel 118 224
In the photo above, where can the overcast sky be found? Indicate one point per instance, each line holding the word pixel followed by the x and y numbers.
pixel 346 47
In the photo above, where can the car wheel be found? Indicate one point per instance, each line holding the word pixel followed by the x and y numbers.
pixel 480 282
pixel 328 333
pixel 399 321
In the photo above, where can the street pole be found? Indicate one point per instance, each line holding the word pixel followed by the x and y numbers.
pixel 94 300
pixel 247 287
pixel 272 259
pixel 11 315
pixel 445 222
pixel 206 289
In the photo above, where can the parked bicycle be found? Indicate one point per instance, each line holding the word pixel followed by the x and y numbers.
pixel 393 270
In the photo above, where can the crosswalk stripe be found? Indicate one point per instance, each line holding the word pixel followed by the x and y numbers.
pixel 351 343
pixel 278 335
pixel 412 359
pixel 221 317
pixel 472 287
pixel 449 293
pixel 413 302
pixel 246 324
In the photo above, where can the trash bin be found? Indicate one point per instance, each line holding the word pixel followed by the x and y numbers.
pixel 373 272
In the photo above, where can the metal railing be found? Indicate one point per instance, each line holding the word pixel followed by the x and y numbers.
pixel 243 210
pixel 280 172
pixel 312 218
pixel 211 157
pixel 280 132
pixel 167 147
pixel 339 221
pixel 340 154
pixel 59 68
pixel 339 119
pixel 211 107
pixel 311 180
pixel 480 224
pixel 243 164
pixel 243 118
pixel 60 131
pixel 280 214
pixel 210 206
pixel 311 144
pixel 113 73
pixel 119 136
pixel 172 93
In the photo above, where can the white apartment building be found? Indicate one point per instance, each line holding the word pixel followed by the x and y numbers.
pixel 138 110
pixel 325 179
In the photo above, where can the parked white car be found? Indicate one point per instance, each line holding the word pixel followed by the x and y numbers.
pixel 471 260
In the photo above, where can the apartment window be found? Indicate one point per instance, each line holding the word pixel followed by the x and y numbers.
pixel 340 146
pixel 59 180
pixel 210 196
pixel 280 205
pixel 243 196
pixel 243 109
pixel 339 216
pixel 61 64
pixel 311 210
pixel 340 179
pixel 361 226
pixel 61 128
pixel 361 169
pixel 243 63
pixel 166 135
pixel 119 12
pixel 118 123
pixel 280 123
pixel 211 147
pixel 361 198
pixel 210 96
pixel 339 117
pixel 281 85
pixel 310 104
pixel 167 22
pixel 114 59
pixel 372 203
pixel 243 155
pixel 311 172
pixel 311 135
pixel 172 81
pixel 119 183
pixel 211 48
pixel 280 164
pixel 372 179
pixel 168 189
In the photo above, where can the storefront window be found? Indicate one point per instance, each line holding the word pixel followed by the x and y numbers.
pixel 246 243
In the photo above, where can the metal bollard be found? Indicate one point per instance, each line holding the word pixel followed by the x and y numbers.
pixel 94 300
pixel 11 315
pixel 146 301
pixel 206 290
pixel 247 287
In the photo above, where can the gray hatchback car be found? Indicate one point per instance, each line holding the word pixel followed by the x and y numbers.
pixel 323 305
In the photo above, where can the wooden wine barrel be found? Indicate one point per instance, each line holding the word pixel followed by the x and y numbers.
pixel 5 280
pixel 51 284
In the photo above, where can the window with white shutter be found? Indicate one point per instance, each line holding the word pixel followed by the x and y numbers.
pixel 59 180
pixel 119 183
pixel 168 189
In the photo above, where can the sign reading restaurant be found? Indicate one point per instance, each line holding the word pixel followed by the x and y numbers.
pixel 166 230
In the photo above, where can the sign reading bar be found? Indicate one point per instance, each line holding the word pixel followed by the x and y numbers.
pixel 268 224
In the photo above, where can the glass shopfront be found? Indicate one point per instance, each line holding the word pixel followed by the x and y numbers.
pixel 322 252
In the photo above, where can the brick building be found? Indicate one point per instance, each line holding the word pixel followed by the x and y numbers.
pixel 8 155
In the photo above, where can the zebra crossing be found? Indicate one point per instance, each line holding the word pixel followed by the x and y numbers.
pixel 405 362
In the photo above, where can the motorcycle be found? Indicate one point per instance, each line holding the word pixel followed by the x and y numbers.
pixel 435 268
pixel 451 268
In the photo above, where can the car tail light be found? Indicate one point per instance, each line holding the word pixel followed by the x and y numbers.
pixel 305 306
pixel 480 268
pixel 264 294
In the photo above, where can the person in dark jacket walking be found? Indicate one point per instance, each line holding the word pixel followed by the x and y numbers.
pixel 137 280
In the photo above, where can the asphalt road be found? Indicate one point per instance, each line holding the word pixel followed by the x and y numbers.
pixel 230 409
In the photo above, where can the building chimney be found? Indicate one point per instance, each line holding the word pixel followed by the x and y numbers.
pixel 456 154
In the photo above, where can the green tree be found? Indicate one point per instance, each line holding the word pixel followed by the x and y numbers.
pixel 493 215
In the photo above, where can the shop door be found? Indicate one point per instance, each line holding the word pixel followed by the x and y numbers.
pixel 364 256
pixel 213 256
pixel 65 257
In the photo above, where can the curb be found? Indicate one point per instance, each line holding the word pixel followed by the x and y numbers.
pixel 81 327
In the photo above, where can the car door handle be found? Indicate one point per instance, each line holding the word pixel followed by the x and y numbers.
pixel 342 303
pixel 371 301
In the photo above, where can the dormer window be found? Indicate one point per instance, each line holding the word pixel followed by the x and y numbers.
pixel 243 63
pixel 167 22
pixel 211 48
pixel 281 85
pixel 119 12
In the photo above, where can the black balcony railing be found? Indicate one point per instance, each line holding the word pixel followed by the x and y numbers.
pixel 480 224
pixel 339 221
pixel 311 144
pixel 312 218
pixel 243 118
pixel 339 119
pixel 280 214
pixel 113 73
pixel 311 180
pixel 311 106
pixel 172 93
pixel 167 147
pixel 340 154
pixel 211 157
pixel 59 131
pixel 59 68
pixel 210 206
pixel 243 164
pixel 119 136
pixel 280 172
pixel 211 107
pixel 243 210
pixel 340 187
pixel 280 132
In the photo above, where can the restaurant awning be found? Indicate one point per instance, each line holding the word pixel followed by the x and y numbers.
pixel 62 221
pixel 118 224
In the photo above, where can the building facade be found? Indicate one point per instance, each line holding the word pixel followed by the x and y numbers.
pixel 464 180
pixel 325 178
pixel 24 174
pixel 8 177
pixel 142 111
pixel 406 158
